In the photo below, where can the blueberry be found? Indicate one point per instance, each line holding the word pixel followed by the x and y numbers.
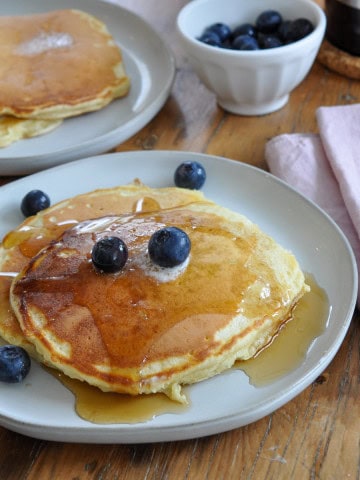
pixel 268 21
pixel 226 44
pixel 190 175
pixel 269 41
pixel 244 29
pixel 210 38
pixel 14 364
pixel 222 30
pixel 169 246
pixel 284 31
pixel 300 28
pixel 245 42
pixel 33 202
pixel 109 254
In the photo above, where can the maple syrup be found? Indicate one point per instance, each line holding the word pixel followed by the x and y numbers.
pixel 100 407
pixel 146 204
pixel 288 349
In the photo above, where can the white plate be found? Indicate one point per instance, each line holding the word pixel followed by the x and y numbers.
pixel 44 408
pixel 150 65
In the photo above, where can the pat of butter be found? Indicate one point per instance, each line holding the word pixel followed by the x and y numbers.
pixel 43 42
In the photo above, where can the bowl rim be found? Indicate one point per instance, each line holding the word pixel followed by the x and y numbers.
pixel 317 34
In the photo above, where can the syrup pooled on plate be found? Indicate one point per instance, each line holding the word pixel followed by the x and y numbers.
pixel 288 349
pixel 96 406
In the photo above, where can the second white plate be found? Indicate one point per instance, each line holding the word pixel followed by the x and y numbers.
pixel 150 65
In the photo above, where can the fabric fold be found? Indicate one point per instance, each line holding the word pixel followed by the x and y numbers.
pixel 340 134
pixel 325 167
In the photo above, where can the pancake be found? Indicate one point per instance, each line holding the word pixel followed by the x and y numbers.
pixel 21 244
pixel 13 129
pixel 58 64
pixel 149 329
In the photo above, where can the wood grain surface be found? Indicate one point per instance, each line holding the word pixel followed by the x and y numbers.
pixel 316 435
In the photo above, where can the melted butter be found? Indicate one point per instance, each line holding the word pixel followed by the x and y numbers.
pixel 288 349
pixel 97 406
pixel 44 42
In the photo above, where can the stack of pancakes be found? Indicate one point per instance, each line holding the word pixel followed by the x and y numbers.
pixel 53 66
pixel 145 329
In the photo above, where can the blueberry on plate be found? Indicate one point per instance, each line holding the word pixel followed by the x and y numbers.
pixel 268 21
pixel 222 30
pixel 245 42
pixel 14 364
pixel 33 202
pixel 169 247
pixel 109 254
pixel 191 175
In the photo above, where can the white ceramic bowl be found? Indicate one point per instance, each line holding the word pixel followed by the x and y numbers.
pixel 253 82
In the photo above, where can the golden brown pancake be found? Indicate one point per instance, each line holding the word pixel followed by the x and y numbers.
pixel 58 64
pixel 149 329
pixel 21 244
pixel 13 129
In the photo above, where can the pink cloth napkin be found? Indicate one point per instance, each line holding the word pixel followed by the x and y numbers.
pixel 325 167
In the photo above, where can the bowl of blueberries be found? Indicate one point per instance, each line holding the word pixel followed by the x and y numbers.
pixel 251 53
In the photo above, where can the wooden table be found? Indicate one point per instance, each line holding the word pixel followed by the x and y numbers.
pixel 316 435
